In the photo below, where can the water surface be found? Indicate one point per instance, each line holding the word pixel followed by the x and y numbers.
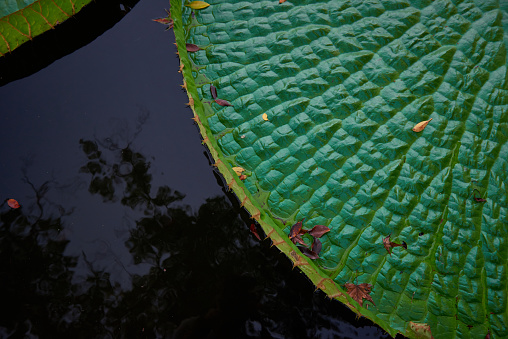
pixel 125 229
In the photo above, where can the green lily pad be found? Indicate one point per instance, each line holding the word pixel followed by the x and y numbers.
pixel 325 96
pixel 21 21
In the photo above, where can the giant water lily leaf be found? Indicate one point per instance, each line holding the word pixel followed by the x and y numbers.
pixel 343 84
pixel 21 21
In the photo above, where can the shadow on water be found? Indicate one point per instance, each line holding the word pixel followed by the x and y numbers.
pixel 74 33
pixel 208 277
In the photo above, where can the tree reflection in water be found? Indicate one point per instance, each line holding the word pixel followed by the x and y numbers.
pixel 208 278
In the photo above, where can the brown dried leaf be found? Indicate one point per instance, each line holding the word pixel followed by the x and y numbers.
pixel 298 239
pixel 12 203
pixel 389 244
pixel 421 125
pixel 213 91
pixel 164 21
pixel 478 199
pixel 421 330
pixel 316 246
pixel 318 231
pixel 295 229
pixel 307 252
pixel 222 102
pixel 254 231
pixel 192 48
pixel 359 292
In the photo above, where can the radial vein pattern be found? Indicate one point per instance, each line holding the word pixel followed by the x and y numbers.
pixel 342 84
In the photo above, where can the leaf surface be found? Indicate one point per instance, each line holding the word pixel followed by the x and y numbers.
pixel 340 150
pixel 21 21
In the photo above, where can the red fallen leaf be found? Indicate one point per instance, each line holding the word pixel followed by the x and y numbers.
pixel 389 244
pixel 298 239
pixel 213 91
pixel 281 1
pixel 222 102
pixel 316 246
pixel 254 231
pixel 295 229
pixel 318 230
pixel 243 177
pixel 192 48
pixel 478 199
pixel 13 203
pixel 307 252
pixel 359 292
pixel 165 21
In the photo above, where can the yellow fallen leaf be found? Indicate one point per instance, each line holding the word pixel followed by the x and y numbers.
pixel 265 116
pixel 421 125
pixel 238 170
pixel 198 5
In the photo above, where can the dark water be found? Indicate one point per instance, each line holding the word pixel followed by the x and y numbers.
pixel 125 230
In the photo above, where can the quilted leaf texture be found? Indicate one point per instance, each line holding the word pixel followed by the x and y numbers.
pixel 21 21
pixel 342 84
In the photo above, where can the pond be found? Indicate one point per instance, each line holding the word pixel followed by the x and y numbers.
pixel 125 229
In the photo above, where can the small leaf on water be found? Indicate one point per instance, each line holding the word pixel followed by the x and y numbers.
pixel 222 102
pixel 238 170
pixel 307 252
pixel 389 244
pixel 243 177
pixel 281 1
pixel 318 231
pixel 254 231
pixel 198 5
pixel 165 21
pixel 213 91
pixel 192 48
pixel 316 246
pixel 13 203
pixel 359 292
pixel 265 116
pixel 421 125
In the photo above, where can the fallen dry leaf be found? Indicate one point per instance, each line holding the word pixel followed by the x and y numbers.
pixel 281 1
pixel 422 330
pixel 265 116
pixel 421 125
pixel 316 246
pixel 164 21
pixel 222 102
pixel 359 292
pixel 192 48
pixel 213 92
pixel 243 177
pixel 198 5
pixel 295 229
pixel 311 254
pixel 318 231
pixel 13 203
pixel 238 170
pixel 389 244
pixel 254 231
pixel 477 199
